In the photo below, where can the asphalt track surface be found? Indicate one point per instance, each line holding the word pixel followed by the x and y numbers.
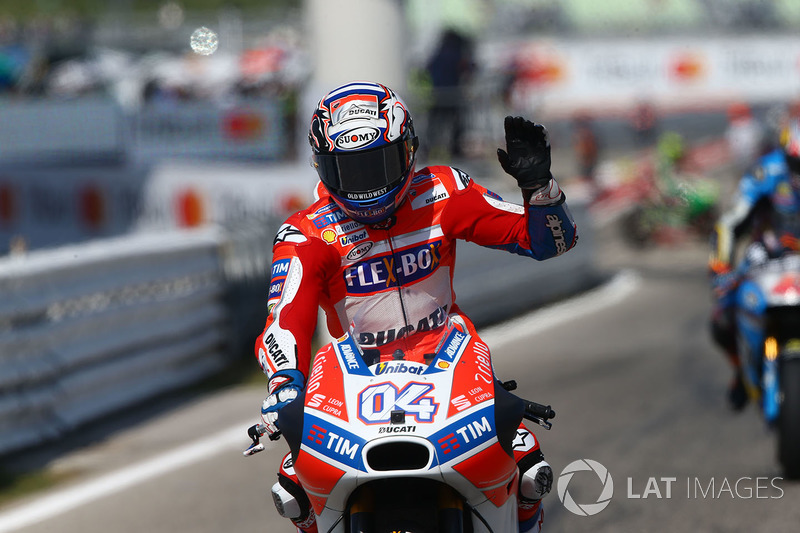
pixel 632 374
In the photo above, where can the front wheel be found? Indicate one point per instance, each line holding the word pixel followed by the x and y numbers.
pixel 636 228
pixel 789 418
pixel 408 505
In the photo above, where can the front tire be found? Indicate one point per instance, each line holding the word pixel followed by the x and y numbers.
pixel 636 229
pixel 789 419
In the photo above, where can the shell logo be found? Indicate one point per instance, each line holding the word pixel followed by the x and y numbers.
pixel 329 236
pixel 688 66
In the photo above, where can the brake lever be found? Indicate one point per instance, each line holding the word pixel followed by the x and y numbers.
pixel 255 432
pixel 541 421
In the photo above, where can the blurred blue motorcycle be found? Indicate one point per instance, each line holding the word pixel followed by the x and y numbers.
pixel 768 319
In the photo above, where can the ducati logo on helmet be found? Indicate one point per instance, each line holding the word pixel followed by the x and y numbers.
pixel 355 106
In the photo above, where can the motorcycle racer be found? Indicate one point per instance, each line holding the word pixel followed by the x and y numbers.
pixel 768 208
pixel 383 232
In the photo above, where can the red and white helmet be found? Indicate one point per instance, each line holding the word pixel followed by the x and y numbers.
pixel 364 149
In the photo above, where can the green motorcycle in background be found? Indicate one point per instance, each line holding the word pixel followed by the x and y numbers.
pixel 671 205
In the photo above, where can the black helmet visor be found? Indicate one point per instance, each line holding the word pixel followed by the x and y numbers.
pixel 365 175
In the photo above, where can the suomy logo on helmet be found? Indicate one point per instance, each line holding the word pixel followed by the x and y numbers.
pixel 356 138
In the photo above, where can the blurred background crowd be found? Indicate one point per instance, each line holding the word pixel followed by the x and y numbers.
pixel 135 51
pixel 603 76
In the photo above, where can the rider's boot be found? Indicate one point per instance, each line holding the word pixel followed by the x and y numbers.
pixel 737 392
pixel 291 500
pixel 536 480
pixel 723 331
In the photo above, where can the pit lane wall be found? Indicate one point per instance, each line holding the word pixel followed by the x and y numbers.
pixel 89 329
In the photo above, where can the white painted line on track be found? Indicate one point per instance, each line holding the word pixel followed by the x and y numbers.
pixel 63 500
pixel 597 299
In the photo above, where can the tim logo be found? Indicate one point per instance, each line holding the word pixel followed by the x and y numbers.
pixel 465 435
pixel 326 219
pixel 317 434
pixel 332 443
pixel 279 271
pixel 383 272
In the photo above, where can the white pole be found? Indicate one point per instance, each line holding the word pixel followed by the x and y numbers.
pixel 352 40
pixel 357 40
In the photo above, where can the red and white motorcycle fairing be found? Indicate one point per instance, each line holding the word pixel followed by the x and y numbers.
pixel 446 423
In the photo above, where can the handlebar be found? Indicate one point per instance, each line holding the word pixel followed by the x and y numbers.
pixel 535 412
pixel 538 413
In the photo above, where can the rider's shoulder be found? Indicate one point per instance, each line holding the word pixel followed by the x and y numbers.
pixel 311 221
pixel 772 164
pixel 769 169
pixel 453 179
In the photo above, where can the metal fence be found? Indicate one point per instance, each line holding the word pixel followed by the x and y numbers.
pixel 90 329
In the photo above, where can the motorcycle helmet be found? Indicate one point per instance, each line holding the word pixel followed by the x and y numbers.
pixel 364 149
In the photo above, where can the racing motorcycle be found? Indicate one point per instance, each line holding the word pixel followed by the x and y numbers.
pixel 403 446
pixel 768 316
pixel 671 204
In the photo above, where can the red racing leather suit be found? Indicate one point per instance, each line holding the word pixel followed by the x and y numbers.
pixel 399 275
pixel 322 258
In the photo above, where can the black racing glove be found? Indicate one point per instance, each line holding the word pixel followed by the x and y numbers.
pixel 528 155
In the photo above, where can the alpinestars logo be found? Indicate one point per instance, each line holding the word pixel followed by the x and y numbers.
pixel 554 223
pixel 288 233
